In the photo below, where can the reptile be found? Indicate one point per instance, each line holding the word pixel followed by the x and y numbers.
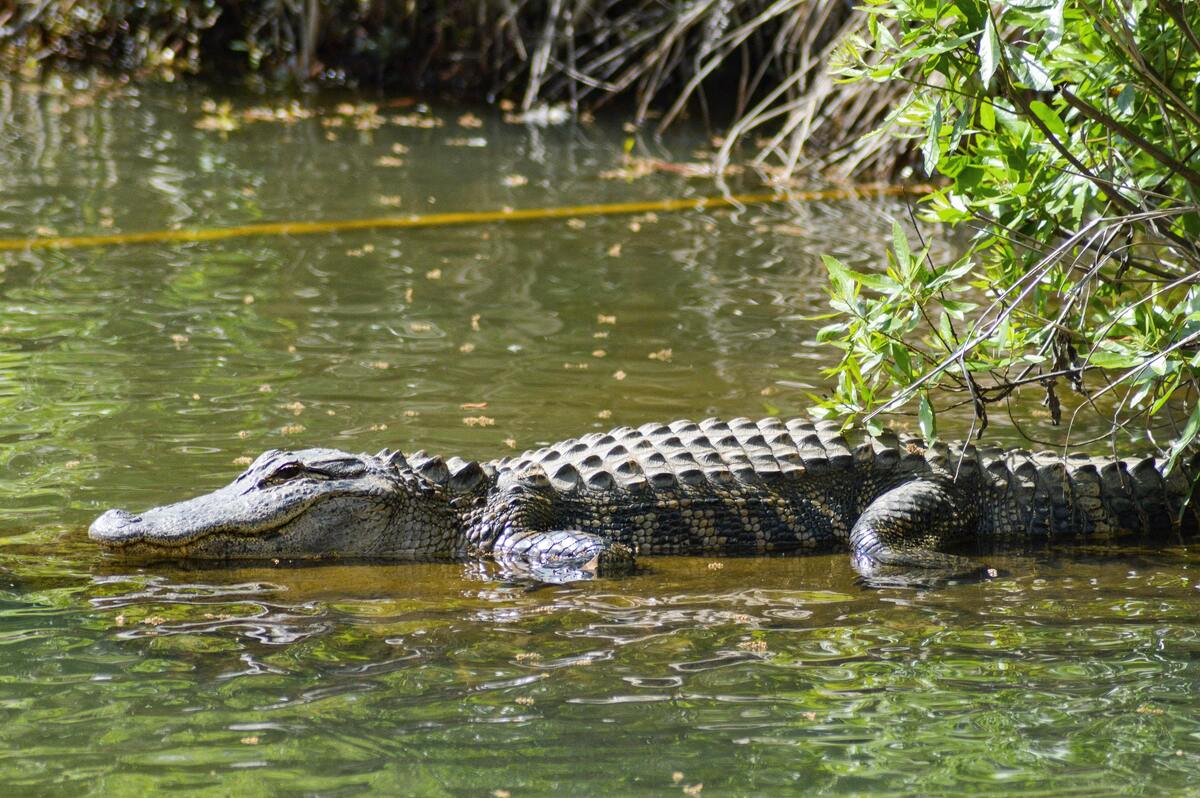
pixel 593 504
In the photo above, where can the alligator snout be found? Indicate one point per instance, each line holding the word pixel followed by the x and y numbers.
pixel 115 526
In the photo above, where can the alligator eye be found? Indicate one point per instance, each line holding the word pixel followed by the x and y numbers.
pixel 284 473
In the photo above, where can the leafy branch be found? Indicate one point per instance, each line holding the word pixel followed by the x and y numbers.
pixel 1066 134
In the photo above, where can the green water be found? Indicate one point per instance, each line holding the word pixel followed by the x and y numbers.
pixel 136 375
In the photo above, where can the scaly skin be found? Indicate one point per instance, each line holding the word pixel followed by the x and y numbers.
pixel 564 511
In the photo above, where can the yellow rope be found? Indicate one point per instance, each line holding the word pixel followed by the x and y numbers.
pixel 447 219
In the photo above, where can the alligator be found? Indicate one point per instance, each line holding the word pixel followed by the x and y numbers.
pixel 592 504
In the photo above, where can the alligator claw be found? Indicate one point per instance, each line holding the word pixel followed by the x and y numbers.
pixel 875 575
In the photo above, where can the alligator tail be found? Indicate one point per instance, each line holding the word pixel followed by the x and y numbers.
pixel 1140 496
pixel 1043 495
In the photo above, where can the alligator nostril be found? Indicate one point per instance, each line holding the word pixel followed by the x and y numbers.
pixel 113 525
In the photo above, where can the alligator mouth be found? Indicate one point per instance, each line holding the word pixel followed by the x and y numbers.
pixel 165 530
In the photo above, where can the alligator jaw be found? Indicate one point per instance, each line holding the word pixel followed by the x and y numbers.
pixel 176 529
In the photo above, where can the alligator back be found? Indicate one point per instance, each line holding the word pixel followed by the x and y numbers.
pixel 665 456
pixel 1022 496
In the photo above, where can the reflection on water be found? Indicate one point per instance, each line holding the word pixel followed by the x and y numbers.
pixel 131 376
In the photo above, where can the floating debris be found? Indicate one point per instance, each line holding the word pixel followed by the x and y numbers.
pixel 543 115
pixel 479 421
pixel 417 120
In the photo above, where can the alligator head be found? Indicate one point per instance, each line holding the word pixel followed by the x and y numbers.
pixel 313 503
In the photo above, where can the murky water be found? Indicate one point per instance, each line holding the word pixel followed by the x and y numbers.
pixel 135 375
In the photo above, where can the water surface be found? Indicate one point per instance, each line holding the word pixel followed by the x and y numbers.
pixel 136 375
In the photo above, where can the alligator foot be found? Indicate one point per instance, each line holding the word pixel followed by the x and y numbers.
pixel 926 569
pixel 896 541
pixel 561 556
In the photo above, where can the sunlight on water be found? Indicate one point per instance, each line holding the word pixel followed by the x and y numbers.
pixel 137 375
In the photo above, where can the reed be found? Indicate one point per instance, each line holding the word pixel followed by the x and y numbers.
pixel 753 70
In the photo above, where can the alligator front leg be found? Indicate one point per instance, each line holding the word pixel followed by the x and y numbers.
pixel 898 538
pixel 561 555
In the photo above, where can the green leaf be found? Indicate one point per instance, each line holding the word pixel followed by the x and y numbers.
pixel 839 275
pixel 931 150
pixel 1050 119
pixel 900 247
pixel 1081 198
pixel 1114 360
pixel 1190 430
pixel 960 127
pixel 987 115
pixel 1054 25
pixel 902 360
pixel 876 282
pixel 927 419
pixel 1125 100
pixel 958 309
pixel 989 52
pixel 1029 71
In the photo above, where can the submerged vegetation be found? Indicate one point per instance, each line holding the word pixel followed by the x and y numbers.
pixel 758 70
pixel 1068 137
